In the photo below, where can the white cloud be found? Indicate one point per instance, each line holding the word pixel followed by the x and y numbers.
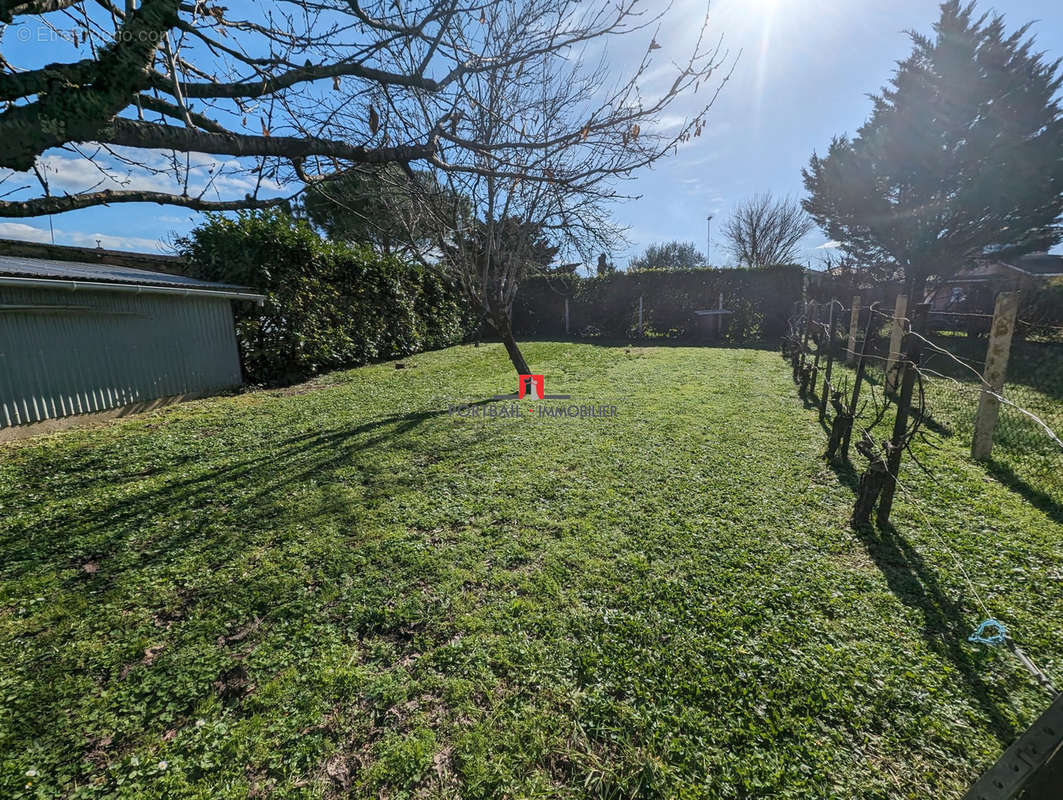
pixel 669 122
pixel 829 245
pixel 111 242
pixel 23 232
pixel 152 171
pixel 31 233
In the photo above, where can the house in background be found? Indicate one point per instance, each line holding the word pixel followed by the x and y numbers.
pixel 961 302
pixel 89 334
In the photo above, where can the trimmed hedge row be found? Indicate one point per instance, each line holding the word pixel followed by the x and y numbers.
pixel 761 301
pixel 1041 311
pixel 328 305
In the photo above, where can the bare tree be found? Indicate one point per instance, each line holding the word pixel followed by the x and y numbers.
pixel 298 91
pixel 764 231
pixel 533 153
pixel 847 266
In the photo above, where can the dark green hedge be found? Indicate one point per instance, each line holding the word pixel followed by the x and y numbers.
pixel 328 305
pixel 1041 311
pixel 760 299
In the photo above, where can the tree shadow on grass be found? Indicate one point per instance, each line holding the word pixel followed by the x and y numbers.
pixel 846 472
pixel 204 516
pixel 74 535
pixel 1041 500
pixel 946 626
pixel 811 401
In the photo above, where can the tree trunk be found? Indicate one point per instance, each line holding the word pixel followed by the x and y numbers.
pixel 915 286
pixel 500 322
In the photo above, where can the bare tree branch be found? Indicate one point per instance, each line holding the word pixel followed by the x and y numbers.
pixel 305 89
pixel 132 133
pixel 9 10
pixel 71 202
pixel 75 113
pixel 153 103
pixel 528 161
pixel 765 231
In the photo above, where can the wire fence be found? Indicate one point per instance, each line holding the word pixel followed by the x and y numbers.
pixel 948 384
pixel 1025 453
pixel 1021 447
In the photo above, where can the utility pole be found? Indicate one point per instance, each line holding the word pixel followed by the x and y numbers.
pixel 708 239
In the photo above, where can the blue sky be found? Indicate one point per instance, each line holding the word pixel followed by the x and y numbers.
pixel 803 75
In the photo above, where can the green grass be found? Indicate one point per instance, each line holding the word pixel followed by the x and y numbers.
pixel 342 590
pixel 1023 452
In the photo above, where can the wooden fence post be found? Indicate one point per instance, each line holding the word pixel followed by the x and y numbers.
pixel 861 368
pixel 810 307
pixel 640 315
pixel 900 311
pixel 566 316
pixel 996 369
pixel 912 351
pixel 805 368
pixel 831 323
pixel 797 353
pixel 854 325
pixel 817 337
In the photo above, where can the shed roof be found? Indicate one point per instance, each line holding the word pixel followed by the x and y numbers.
pixel 158 262
pixel 1046 265
pixel 1034 265
pixel 17 267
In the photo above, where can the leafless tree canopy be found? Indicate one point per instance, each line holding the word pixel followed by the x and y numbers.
pixel 764 231
pixel 292 92
pixel 537 149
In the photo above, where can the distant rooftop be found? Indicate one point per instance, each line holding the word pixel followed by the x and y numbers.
pixel 1045 265
pixel 158 262
pixel 18 267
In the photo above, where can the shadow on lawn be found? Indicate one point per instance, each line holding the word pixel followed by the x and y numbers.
pixel 202 523
pixel 1040 499
pixel 913 583
pixel 946 626
pixel 102 534
pixel 847 473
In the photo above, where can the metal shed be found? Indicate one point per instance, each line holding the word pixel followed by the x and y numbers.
pixel 80 338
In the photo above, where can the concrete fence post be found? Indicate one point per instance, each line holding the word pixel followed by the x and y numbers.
pixel 900 311
pixel 854 326
pixel 996 370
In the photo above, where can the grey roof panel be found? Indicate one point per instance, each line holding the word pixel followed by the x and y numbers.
pixel 20 267
pixel 1046 264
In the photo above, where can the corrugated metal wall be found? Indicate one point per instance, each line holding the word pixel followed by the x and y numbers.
pixel 64 353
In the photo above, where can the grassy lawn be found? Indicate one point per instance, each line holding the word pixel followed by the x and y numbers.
pixel 341 590
pixel 1023 454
